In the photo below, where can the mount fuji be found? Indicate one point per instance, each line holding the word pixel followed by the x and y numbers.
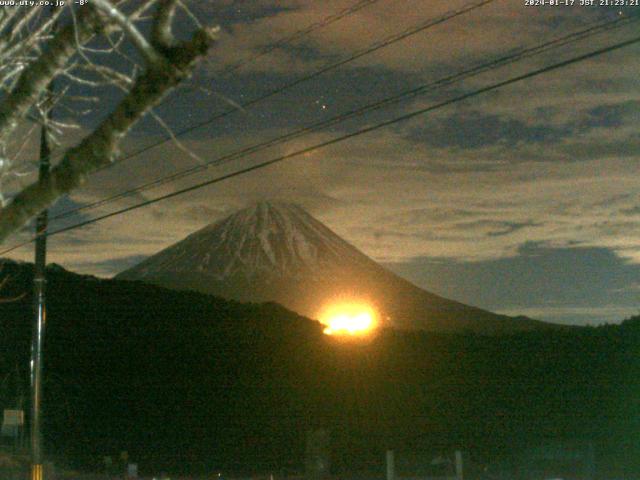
pixel 278 252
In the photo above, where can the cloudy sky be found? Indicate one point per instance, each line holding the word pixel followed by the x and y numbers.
pixel 523 200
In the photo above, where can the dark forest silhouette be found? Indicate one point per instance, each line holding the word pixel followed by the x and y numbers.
pixel 182 378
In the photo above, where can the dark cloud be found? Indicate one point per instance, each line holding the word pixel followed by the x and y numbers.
pixel 321 98
pixel 631 211
pixel 610 115
pixel 537 139
pixel 474 129
pixel 587 148
pixel 539 276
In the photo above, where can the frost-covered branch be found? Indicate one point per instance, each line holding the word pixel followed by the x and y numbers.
pixel 144 47
pixel 165 64
pixel 37 75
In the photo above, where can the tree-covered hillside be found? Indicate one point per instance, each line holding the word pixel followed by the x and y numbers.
pixel 185 381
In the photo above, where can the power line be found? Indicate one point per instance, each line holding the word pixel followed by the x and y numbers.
pixel 281 42
pixel 342 138
pixel 423 89
pixel 385 42
pixel 301 33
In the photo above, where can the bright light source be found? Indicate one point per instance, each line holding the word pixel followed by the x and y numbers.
pixel 348 318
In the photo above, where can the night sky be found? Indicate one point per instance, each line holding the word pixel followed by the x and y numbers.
pixel 524 200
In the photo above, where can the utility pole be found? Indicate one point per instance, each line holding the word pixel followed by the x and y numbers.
pixel 39 290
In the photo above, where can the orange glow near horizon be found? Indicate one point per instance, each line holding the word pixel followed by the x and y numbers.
pixel 348 318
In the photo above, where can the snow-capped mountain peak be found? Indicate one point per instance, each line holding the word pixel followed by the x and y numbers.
pixel 278 252
pixel 266 239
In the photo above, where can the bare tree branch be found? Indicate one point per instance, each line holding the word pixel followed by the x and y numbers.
pixel 161 35
pixel 175 139
pixel 35 78
pixel 141 43
pixel 99 147
pixel 66 53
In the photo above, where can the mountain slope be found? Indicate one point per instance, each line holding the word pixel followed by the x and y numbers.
pixel 193 384
pixel 278 252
